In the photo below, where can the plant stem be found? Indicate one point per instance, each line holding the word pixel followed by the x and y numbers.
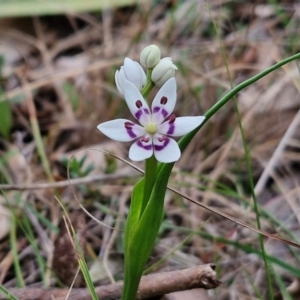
pixel 246 83
pixel 185 140
pixel 255 203
pixel 149 84
pixel 150 176
pixel 136 247
pixel 150 163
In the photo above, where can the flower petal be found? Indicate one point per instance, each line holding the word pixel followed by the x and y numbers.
pixel 164 101
pixel 163 71
pixel 134 73
pixel 121 130
pixel 136 103
pixel 141 149
pixel 180 126
pixel 120 79
pixel 166 149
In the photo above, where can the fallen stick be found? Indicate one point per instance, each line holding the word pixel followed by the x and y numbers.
pixel 150 286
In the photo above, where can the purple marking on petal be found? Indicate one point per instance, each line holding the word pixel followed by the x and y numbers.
pixel 146 147
pixel 166 141
pixel 163 100
pixel 138 104
pixel 162 111
pixel 128 126
pixel 138 114
pixel 171 129
pixel 131 133
pixel 172 118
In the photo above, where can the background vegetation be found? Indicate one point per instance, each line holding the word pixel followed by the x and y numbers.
pixel 57 85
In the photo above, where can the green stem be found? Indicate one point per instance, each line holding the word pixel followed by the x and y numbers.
pixel 149 84
pixel 185 140
pixel 150 176
pixel 246 83
pixel 14 250
pixel 136 248
pixel 150 163
pixel 142 237
pixel 257 213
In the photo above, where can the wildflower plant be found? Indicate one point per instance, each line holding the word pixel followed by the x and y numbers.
pixel 152 136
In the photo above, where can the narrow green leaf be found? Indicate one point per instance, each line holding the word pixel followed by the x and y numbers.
pixel 252 283
pixel 14 8
pixel 83 267
pixel 28 231
pixel 42 218
pixel 140 237
pixel 5 118
pixel 14 249
pixel 131 223
pixel 185 140
pixel 136 203
pixel 7 293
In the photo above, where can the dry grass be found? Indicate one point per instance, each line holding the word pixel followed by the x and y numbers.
pixel 64 66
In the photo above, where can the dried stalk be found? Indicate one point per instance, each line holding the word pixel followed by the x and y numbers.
pixel 152 285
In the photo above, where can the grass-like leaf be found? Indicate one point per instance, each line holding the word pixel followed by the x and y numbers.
pixel 7 293
pixel 18 8
pixel 6 118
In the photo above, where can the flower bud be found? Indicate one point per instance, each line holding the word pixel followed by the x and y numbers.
pixel 163 71
pixel 150 56
pixel 131 71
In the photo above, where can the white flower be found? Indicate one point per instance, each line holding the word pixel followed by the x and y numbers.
pixel 131 71
pixel 157 126
pixel 150 56
pixel 163 71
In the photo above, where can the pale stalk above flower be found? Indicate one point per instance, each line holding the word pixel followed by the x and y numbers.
pixel 158 125
pixel 131 71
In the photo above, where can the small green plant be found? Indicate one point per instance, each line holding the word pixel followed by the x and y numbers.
pixel 71 94
pixel 76 167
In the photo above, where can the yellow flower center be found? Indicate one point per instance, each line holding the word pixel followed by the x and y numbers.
pixel 151 128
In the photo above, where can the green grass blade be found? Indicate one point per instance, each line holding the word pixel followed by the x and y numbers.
pixel 27 229
pixel 14 249
pixel 18 8
pixel 42 218
pixel 283 290
pixel 83 267
pixel 6 118
pixel 7 293
pixel 255 289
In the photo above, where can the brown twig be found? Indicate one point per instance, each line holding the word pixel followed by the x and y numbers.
pixel 152 285
pixel 65 183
